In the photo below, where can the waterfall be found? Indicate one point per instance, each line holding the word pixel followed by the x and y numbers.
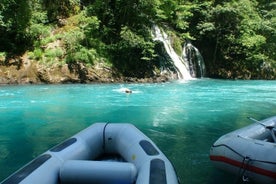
pixel 194 59
pixel 179 63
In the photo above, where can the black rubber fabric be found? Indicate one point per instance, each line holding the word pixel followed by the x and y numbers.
pixel 148 148
pixel 27 170
pixel 157 172
pixel 64 145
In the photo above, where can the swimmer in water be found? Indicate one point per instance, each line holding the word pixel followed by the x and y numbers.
pixel 128 90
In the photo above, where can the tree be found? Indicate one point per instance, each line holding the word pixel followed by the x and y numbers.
pixel 267 11
pixel 14 19
pixel 61 8
pixel 234 32
pixel 126 31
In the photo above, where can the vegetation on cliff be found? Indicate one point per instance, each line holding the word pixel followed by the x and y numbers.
pixel 236 38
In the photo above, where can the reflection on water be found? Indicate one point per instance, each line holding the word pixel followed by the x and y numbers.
pixel 182 118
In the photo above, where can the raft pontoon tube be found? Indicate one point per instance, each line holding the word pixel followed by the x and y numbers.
pixel 77 160
pixel 249 152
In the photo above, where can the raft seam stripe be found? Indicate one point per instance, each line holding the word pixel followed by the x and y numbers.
pixel 239 164
pixel 268 162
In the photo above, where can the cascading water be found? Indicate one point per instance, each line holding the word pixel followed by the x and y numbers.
pixel 195 61
pixel 190 64
pixel 179 63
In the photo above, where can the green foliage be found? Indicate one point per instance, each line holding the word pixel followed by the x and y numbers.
pixel 38 32
pixel 183 14
pixel 133 54
pixel 231 35
pixel 82 56
pixel 72 40
pixel 125 34
pixel 176 42
pixel 37 54
pixel 3 56
pixel 53 53
pixel 252 41
pixel 234 31
pixel 14 19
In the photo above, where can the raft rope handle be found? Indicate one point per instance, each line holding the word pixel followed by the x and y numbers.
pixel 224 145
pixel 245 164
pixel 104 135
pixel 244 158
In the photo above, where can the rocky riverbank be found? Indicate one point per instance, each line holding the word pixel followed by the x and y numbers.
pixel 24 71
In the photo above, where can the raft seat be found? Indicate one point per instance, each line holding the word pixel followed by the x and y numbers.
pixel 103 172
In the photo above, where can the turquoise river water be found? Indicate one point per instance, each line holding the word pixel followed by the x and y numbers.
pixel 183 118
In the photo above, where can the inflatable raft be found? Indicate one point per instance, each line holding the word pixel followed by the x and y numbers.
pixel 102 153
pixel 249 152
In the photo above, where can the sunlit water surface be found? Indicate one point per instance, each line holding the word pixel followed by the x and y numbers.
pixel 182 118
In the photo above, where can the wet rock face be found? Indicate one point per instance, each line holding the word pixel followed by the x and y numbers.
pixel 8 75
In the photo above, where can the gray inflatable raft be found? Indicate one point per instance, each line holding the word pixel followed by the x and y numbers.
pixel 85 158
pixel 249 152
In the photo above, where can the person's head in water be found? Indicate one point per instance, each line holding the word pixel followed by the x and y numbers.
pixel 128 90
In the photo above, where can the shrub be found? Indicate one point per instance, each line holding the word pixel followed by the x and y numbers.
pixel 37 54
pixel 54 53
pixel 83 55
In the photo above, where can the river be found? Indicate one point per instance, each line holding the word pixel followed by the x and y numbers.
pixel 183 118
